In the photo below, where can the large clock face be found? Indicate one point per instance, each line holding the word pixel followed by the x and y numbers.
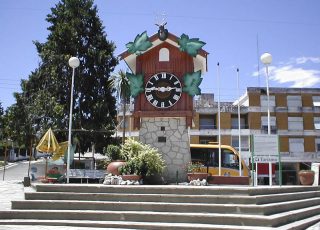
pixel 163 90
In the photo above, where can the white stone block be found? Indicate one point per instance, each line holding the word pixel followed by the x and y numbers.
pixel 173 124
pixel 180 156
pixel 165 149
pixel 177 134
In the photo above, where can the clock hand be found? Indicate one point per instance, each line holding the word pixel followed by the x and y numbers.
pixel 152 88
pixel 162 88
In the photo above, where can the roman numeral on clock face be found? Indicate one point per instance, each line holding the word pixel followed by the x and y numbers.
pixel 155 102
pixel 149 97
pixel 176 97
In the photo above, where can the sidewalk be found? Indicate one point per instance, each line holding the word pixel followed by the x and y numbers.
pixel 9 165
pixel 10 190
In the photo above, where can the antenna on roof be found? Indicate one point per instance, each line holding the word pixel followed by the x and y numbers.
pixel 161 22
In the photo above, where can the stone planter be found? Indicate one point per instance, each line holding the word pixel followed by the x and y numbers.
pixel 306 177
pixel 132 177
pixel 196 176
pixel 114 166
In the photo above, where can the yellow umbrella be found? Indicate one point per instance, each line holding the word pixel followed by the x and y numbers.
pixel 48 144
pixel 63 147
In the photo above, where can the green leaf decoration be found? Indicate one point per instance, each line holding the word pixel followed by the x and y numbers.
pixel 141 43
pixel 191 83
pixel 136 84
pixel 191 46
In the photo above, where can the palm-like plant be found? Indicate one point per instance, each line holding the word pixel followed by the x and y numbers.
pixel 122 86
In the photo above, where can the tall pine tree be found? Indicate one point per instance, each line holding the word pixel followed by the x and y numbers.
pixel 75 30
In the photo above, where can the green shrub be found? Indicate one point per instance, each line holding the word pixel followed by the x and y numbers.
pixel 141 159
pixel 102 164
pixel 112 152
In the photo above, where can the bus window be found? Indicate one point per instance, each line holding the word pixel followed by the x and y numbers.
pixel 199 155
pixel 229 160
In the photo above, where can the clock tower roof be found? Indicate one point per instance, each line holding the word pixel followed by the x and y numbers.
pixel 199 60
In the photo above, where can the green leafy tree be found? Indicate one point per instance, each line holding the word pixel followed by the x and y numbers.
pixel 75 30
pixel 122 86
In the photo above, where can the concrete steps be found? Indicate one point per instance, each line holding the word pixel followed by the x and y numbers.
pixel 157 207
pixel 128 225
pixel 172 189
pixel 176 198
pixel 266 209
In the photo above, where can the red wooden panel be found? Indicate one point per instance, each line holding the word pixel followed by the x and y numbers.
pixel 179 63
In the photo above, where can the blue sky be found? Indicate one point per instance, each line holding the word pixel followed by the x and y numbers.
pixel 289 30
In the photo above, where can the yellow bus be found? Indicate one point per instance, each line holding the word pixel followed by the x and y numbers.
pixel 208 156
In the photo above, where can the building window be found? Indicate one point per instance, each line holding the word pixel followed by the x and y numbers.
pixel 316 122
pixel 235 124
pixel 264 124
pixel 164 54
pixel 317 144
pixel 316 101
pixel 294 101
pixel 244 143
pixel 207 122
pixel 296 144
pixel 264 102
pixel 295 123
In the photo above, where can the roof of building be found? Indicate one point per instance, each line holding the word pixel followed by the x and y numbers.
pixel 200 61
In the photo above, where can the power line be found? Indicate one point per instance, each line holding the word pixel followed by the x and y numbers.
pixel 222 19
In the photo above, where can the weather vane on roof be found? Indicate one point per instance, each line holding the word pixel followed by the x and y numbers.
pixel 161 22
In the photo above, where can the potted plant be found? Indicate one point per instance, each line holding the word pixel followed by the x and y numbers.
pixel 115 159
pixel 194 171
pixel 130 171
pixel 306 177
pixel 141 159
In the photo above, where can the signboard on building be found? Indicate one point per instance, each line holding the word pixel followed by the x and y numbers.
pixel 265 148
pixel 265 159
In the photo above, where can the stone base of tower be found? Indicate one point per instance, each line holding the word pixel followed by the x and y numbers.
pixel 170 136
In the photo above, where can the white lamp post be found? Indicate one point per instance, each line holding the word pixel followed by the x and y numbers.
pixel 266 59
pixel 239 124
pixel 73 63
pixel 219 123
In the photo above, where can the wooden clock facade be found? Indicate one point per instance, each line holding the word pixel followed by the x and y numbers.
pixel 162 126
pixel 149 64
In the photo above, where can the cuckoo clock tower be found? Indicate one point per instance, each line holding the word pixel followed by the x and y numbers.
pixel 165 75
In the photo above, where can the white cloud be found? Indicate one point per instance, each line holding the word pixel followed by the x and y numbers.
pixel 298 77
pixel 294 72
pixel 303 60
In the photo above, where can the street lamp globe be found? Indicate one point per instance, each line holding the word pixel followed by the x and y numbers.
pixel 74 62
pixel 266 58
